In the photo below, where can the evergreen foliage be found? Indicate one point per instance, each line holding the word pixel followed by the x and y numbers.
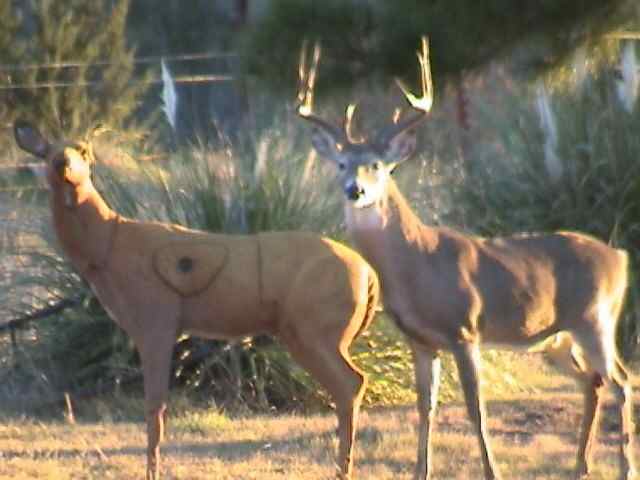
pixel 361 39
pixel 10 52
pixel 77 96
pixel 167 27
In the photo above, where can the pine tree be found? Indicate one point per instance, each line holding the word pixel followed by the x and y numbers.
pixel 91 78
pixel 363 38
pixel 11 49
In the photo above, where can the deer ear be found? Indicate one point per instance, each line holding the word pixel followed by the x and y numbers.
pixel 399 148
pixel 325 144
pixel 30 139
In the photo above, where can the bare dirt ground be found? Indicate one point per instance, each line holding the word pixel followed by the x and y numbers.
pixel 534 437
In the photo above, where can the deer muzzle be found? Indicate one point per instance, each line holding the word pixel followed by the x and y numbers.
pixel 353 191
pixel 60 163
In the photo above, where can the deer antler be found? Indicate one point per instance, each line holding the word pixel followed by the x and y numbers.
pixel 307 80
pixel 422 103
pixel 348 124
pixel 425 102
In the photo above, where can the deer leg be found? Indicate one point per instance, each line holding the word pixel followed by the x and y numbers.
pixel 348 409
pixel 427 371
pixel 624 395
pixel 468 363
pixel 570 360
pixel 155 353
pixel 331 366
pixel 601 355
pixel 592 389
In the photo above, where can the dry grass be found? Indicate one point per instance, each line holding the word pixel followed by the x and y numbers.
pixel 534 436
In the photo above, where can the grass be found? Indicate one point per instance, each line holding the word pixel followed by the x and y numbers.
pixel 533 433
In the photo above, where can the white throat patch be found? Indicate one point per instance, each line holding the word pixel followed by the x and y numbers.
pixel 371 217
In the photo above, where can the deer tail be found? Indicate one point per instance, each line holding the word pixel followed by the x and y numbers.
pixel 373 297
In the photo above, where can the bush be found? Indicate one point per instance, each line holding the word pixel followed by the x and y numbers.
pixel 88 73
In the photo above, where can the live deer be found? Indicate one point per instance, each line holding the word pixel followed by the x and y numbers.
pixel 451 291
pixel 159 280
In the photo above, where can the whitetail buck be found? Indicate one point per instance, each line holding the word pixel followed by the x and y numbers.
pixel 157 280
pixel 451 291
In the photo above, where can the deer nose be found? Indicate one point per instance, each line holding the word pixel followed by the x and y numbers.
pixel 60 162
pixel 353 191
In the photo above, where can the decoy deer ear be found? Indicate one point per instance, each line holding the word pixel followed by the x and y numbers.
pixel 30 139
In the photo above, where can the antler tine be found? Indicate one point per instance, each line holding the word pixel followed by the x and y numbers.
pixel 307 80
pixel 305 100
pixel 348 124
pixel 425 101
pixel 422 104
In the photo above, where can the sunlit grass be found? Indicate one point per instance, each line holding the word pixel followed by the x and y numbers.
pixel 534 437
pixel 201 421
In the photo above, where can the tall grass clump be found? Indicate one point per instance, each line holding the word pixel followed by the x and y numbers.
pixel 562 157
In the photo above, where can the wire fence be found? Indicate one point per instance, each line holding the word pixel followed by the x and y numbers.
pixel 180 79
pixel 187 57
pixel 7 69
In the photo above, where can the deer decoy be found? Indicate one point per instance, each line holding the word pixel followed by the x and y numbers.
pixel 159 280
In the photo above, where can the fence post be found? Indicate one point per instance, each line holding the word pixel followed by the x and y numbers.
pixel 14 342
pixel 69 416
